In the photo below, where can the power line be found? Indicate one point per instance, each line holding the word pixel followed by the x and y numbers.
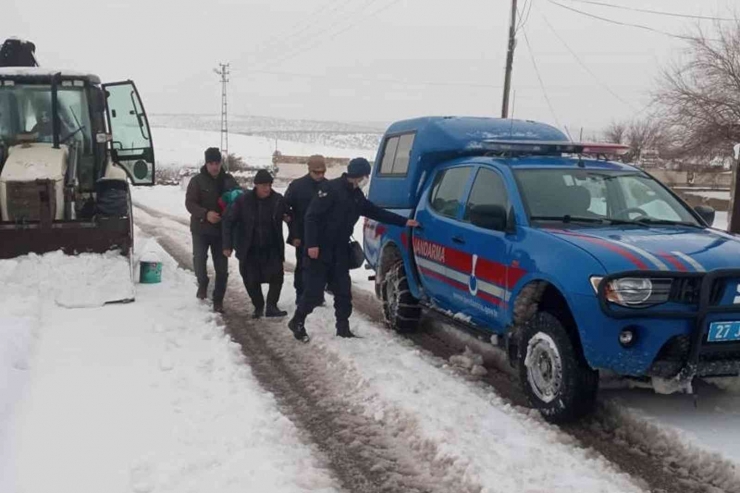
pixel 542 84
pixel 377 79
pixel 654 12
pixel 340 13
pixel 619 23
pixel 317 36
pixel 300 27
pixel 524 14
pixel 585 67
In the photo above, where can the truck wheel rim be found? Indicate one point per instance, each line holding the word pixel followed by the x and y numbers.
pixel 544 367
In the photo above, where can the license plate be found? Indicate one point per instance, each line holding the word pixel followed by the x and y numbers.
pixel 724 331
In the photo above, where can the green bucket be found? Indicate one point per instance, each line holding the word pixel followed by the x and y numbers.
pixel 150 272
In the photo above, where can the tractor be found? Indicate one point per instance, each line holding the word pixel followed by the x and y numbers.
pixel 70 147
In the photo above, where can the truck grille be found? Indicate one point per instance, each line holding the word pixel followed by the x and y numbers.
pixel 686 290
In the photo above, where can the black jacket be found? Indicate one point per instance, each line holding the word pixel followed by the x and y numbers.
pixel 332 215
pixel 297 199
pixel 239 221
pixel 202 196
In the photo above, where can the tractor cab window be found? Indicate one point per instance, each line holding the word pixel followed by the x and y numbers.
pixel 26 115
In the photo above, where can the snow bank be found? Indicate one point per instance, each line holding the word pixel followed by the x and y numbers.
pixel 150 396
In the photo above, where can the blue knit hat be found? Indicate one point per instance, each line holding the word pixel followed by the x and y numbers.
pixel 358 168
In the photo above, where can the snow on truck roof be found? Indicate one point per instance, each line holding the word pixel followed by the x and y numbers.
pixel 38 74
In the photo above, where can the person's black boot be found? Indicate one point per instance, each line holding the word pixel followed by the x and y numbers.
pixel 258 312
pixel 218 306
pixel 345 332
pixel 202 292
pixel 299 330
pixel 274 311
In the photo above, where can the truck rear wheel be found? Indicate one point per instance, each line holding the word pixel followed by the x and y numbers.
pixel 556 378
pixel 400 309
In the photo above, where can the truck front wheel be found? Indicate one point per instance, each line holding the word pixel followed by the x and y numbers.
pixel 556 378
pixel 400 309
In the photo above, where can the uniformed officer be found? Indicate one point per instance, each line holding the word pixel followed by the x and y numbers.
pixel 329 223
pixel 297 199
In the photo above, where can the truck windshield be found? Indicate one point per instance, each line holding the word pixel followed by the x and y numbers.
pixel 599 196
pixel 26 115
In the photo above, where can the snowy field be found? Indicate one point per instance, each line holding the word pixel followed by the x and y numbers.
pixel 140 397
pixel 179 147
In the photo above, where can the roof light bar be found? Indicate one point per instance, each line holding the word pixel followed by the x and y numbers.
pixel 553 147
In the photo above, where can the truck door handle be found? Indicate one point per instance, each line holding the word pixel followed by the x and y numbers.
pixel 458 239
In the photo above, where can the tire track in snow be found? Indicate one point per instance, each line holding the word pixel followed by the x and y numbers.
pixel 633 445
pixel 364 454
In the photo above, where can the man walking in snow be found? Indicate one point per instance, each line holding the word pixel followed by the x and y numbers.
pixel 297 199
pixel 329 223
pixel 253 225
pixel 202 201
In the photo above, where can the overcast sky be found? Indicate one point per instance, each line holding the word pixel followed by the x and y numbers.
pixel 366 60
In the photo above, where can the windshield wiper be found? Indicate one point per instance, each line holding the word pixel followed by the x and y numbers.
pixel 666 222
pixel 567 218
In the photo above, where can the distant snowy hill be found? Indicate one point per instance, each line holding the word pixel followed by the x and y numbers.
pixel 325 133
pixel 182 147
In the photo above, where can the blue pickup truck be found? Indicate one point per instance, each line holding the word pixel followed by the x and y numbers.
pixel 576 263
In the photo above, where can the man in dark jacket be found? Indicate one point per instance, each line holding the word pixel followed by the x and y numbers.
pixel 254 226
pixel 330 221
pixel 201 200
pixel 297 199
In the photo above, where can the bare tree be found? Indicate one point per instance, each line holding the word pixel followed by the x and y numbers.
pixel 643 134
pixel 616 132
pixel 700 96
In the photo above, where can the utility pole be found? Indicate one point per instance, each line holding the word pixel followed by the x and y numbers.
pixel 509 61
pixel 223 71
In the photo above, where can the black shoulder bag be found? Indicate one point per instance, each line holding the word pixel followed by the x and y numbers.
pixel 356 254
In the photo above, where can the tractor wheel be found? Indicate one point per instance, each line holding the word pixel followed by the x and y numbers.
pixel 401 310
pixel 555 376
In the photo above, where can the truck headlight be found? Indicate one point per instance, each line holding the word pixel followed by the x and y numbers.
pixel 635 291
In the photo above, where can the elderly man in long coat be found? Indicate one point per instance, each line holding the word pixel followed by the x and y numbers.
pixel 253 225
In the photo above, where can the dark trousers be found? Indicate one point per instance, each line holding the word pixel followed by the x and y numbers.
pixel 298 277
pixel 316 275
pixel 201 244
pixel 253 283
pixel 298 282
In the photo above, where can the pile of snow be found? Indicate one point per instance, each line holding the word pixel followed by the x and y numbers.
pixel 150 396
pixel 86 280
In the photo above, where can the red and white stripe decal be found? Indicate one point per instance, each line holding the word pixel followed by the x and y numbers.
pixel 639 256
pixel 455 267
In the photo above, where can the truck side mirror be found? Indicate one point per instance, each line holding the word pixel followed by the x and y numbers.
pixel 491 217
pixel 706 213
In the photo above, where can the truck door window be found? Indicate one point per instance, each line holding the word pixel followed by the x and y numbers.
pixel 447 192
pixel 488 191
pixel 396 155
pixel 389 154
